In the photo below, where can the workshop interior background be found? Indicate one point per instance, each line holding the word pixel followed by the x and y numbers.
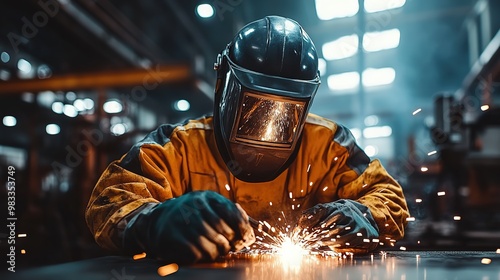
pixel 416 81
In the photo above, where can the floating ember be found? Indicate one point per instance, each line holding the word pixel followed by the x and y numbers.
pixel 168 269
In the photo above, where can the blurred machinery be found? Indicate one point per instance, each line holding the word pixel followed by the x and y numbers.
pixel 466 133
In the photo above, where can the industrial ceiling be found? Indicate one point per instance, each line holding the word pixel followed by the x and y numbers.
pixel 79 40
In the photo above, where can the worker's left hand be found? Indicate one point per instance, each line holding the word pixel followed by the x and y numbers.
pixel 347 225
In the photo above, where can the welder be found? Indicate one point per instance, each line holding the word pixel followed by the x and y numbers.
pixel 186 191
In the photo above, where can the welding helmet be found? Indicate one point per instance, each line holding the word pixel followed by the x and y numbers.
pixel 267 77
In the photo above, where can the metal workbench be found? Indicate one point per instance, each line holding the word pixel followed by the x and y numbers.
pixel 405 265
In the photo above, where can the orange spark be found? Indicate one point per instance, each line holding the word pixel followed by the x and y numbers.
pixel 168 269
pixel 139 256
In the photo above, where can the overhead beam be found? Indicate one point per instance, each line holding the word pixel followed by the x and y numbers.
pixel 147 78
pixel 101 33
pixel 122 27
pixel 488 63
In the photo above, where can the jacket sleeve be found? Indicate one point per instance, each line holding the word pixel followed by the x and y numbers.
pixel 368 182
pixel 149 173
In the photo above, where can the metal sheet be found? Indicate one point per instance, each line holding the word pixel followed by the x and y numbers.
pixel 387 265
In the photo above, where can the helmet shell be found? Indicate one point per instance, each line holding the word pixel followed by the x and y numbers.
pixel 275 58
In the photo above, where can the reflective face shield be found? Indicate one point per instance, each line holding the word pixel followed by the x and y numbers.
pixel 261 119
pixel 268 120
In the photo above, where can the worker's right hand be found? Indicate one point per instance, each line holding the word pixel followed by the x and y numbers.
pixel 347 225
pixel 197 226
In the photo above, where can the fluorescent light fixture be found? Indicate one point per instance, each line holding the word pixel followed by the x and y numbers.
pixel 46 98
pixel 343 47
pixel 378 76
pixel 71 96
pixel 182 105
pixel 112 107
pixel 356 133
pixel 118 129
pixel 343 81
pixel 372 6
pixel 89 103
pixel 371 120
pixel 205 10
pixel 23 65
pixel 329 9
pixel 383 40
pixel 371 150
pixel 44 71
pixel 58 107
pixel 322 66
pixel 79 104
pixel 115 120
pixel 70 111
pixel 4 75
pixel 9 121
pixel 377 131
pixel 5 57
pixel 28 97
pixel 52 129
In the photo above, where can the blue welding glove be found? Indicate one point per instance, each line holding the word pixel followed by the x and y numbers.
pixel 197 226
pixel 344 225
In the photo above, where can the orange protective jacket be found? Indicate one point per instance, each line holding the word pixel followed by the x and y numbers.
pixel 176 159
